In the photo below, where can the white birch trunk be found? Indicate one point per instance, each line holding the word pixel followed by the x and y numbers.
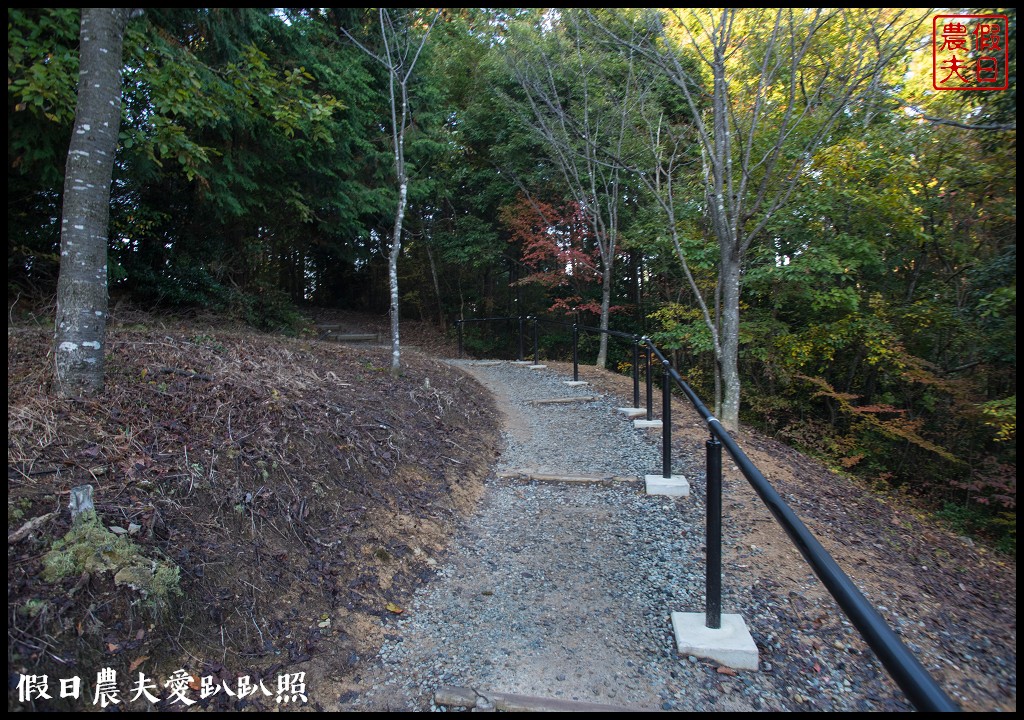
pixel 396 250
pixel 399 58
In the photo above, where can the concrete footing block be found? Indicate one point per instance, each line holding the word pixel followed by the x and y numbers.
pixel 731 645
pixel 631 412
pixel 675 486
pixel 522 362
pixel 537 367
pixel 642 424
pixel 575 383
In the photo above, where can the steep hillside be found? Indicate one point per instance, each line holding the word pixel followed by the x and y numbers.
pixel 264 504
pixel 267 506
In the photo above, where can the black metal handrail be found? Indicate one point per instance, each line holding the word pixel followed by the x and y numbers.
pixel 905 669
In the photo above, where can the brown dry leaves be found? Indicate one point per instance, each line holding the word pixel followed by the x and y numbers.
pixel 289 480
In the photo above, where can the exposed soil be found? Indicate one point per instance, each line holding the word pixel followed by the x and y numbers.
pixel 305 492
pixel 953 602
pixel 302 489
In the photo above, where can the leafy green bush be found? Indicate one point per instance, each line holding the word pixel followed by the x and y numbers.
pixel 267 309
pixel 974 521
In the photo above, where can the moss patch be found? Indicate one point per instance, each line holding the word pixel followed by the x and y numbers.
pixel 88 547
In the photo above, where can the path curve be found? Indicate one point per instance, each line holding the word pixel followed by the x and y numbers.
pixel 565 591
pixel 561 590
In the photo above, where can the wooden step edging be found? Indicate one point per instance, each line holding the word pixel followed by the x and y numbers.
pixel 509 702
pixel 581 478
pixel 577 398
pixel 332 332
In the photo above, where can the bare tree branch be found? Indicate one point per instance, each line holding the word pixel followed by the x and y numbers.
pixel 582 133
pixel 919 113
pixel 778 90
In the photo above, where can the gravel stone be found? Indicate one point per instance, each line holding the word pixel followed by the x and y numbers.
pixel 566 589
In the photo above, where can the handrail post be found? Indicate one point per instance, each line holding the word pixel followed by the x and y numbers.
pixel 536 358
pixel 520 338
pixel 905 669
pixel 458 326
pixel 575 352
pixel 713 541
pixel 636 372
pixel 666 423
pixel 650 391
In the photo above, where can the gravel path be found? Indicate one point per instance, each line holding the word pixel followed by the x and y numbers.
pixel 564 590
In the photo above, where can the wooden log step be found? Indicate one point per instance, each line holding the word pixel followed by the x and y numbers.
pixel 576 398
pixel 509 702
pixel 578 478
pixel 333 332
pixel 355 338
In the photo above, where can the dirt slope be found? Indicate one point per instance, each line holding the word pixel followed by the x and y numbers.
pixel 299 487
pixel 953 602
pixel 304 493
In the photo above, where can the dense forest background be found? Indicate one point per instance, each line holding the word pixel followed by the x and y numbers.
pixel 564 164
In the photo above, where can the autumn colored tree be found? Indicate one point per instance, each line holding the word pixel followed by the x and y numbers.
pixel 558 249
pixel 885 304
pixel 578 99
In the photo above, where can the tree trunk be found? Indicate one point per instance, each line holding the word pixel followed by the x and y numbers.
pixel 396 250
pixel 399 60
pixel 606 301
pixel 441 320
pixel 80 327
pixel 730 336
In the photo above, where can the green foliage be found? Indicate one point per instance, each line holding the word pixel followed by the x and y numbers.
pixel 42 79
pixel 681 327
pixel 269 310
pixel 1002 416
pixel 254 174
pixel 183 284
pixel 33 608
pixel 482 341
pixel 16 511
pixel 1000 528
pixel 891 279
pixel 184 96
pixel 236 147
pixel 881 418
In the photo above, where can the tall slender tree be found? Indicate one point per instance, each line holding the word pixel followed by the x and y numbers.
pixel 579 102
pixel 78 341
pixel 401 50
pixel 780 81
